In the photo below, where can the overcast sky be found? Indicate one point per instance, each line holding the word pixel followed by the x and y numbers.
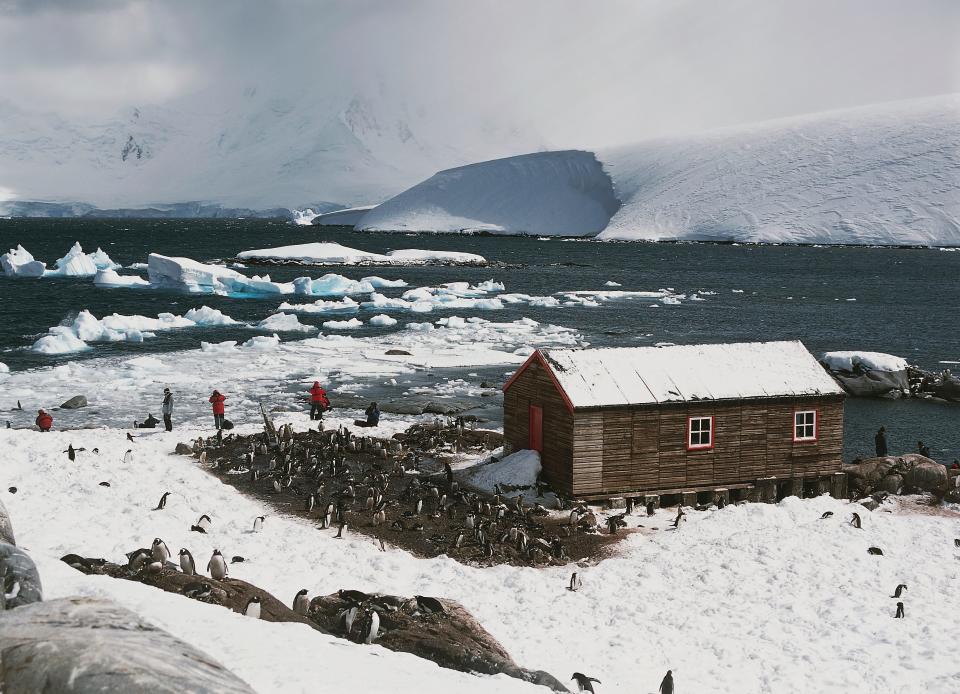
pixel 585 73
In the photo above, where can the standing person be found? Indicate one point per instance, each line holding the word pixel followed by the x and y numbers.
pixel 167 409
pixel 319 402
pixel 880 440
pixel 218 411
pixel 923 449
pixel 44 420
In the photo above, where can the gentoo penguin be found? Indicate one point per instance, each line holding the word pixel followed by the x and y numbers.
pixel 721 502
pixel 138 559
pixel 253 607
pixel 71 452
pixel 855 521
pixel 310 503
pixel 129 437
pixel 104 484
pixel 159 550
pixel 203 458
pixel 666 686
pixel 651 508
pixel 128 456
pixel 187 564
pixel 301 603
pixel 202 525
pixel 163 502
pixel 899 591
pixel 372 627
pixel 575 582
pixel 875 550
pixel 340 530
pixel 217 566
pixel 956 542
pixel 826 514
pixel 348 616
pixel 584 683
pixel 899 614
pixel 428 604
pixel 258 524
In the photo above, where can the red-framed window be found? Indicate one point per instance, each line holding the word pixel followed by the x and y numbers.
pixel 806 426
pixel 699 433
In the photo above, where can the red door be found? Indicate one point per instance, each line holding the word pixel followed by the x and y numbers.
pixel 536 429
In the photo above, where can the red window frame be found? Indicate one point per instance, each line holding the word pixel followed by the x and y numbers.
pixel 816 426
pixel 701 446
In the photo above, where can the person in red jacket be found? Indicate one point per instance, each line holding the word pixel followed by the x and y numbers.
pixel 217 401
pixel 319 403
pixel 44 420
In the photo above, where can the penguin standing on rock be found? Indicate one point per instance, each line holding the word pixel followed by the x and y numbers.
pixel 187 564
pixel 253 607
pixel 666 686
pixel 301 603
pixel 584 683
pixel 159 550
pixel 217 566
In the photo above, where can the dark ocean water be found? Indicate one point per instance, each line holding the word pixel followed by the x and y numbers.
pixel 905 302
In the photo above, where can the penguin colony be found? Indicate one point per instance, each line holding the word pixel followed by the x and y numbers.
pixel 396 490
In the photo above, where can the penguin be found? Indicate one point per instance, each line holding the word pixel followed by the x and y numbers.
pixel 575 582
pixel 71 452
pixel 899 591
pixel 129 436
pixel 680 514
pixel 277 486
pixel 899 614
pixel 217 566
pixel 301 603
pixel 353 596
pixel 348 617
pixel 159 550
pixel 372 627
pixel 721 502
pixel 202 525
pixel 875 550
pixel 310 503
pixel 419 506
pixel 956 542
pixel 584 683
pixel 104 484
pixel 237 559
pixel 826 514
pixel 19 406
pixel 163 502
pixel 855 521
pixel 253 607
pixel 666 686
pixel 340 529
pixel 137 559
pixel 203 458
pixel 651 508
pixel 258 524
pixel 429 605
pixel 187 564
pixel 574 516
pixel 128 456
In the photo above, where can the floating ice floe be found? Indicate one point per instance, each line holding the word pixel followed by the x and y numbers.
pixel 351 324
pixel 345 305
pixel 18 262
pixel 284 322
pixel 325 253
pixel 262 342
pixel 382 320
pixel 85 328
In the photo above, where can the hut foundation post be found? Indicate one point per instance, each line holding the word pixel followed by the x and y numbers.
pixel 824 485
pixel 838 485
pixel 615 502
pixel 689 499
pixel 767 490
pixel 721 494
pixel 796 487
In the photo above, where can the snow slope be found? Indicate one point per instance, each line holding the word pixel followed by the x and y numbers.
pixel 884 174
pixel 753 598
pixel 550 193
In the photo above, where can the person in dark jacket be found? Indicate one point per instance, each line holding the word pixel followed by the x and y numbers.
pixel 167 409
pixel 373 417
pixel 44 420
pixel 319 402
pixel 880 441
pixel 923 449
pixel 218 409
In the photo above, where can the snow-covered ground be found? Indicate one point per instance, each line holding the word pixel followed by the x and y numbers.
pixel 886 174
pixel 549 193
pixel 753 598
pixel 337 254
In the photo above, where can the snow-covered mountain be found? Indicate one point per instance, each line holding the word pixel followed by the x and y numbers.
pixel 887 174
pixel 259 151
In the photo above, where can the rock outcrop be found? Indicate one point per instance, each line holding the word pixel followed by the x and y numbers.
pixel 905 474
pixel 6 526
pixel 19 578
pixel 74 403
pixel 91 645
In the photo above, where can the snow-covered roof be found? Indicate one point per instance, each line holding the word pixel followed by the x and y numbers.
pixel 687 373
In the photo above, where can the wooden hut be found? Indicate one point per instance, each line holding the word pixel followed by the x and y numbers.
pixel 749 420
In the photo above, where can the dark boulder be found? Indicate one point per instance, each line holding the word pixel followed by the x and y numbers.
pixel 905 474
pixel 183 449
pixel 74 403
pixel 19 578
pixel 91 645
pixel 6 526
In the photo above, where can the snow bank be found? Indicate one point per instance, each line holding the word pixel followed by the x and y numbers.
pixel 351 324
pixel 547 193
pixel 285 322
pixel 347 217
pixel 18 262
pixel 884 174
pixel 74 336
pixel 336 254
pixel 519 469
pixel 867 361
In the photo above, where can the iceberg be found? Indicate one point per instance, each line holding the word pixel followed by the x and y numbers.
pixel 76 263
pixel 18 262
pixel 351 324
pixel 382 320
pixel 326 253
pixel 285 322
pixel 111 279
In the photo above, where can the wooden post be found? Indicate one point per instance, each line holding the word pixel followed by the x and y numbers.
pixel 768 490
pixel 824 485
pixel 753 494
pixel 615 502
pixel 721 493
pixel 796 487
pixel 838 485
pixel 689 499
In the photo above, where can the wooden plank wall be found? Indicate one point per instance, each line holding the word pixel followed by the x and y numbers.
pixel 535 387
pixel 644 449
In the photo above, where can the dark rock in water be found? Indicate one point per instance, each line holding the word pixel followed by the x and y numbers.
pixel 20 578
pixel 92 645
pixel 398 352
pixel 183 449
pixel 74 403
pixel 909 473
pixel 874 384
pixel 6 526
pixel 451 638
